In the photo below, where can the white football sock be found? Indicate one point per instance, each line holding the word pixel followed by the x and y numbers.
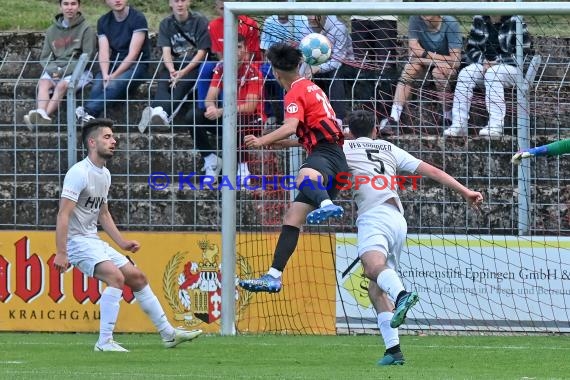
pixel 326 202
pixel 109 305
pixel 150 305
pixel 390 335
pixel 389 282
pixel 274 273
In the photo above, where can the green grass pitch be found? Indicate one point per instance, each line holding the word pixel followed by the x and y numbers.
pixel 70 356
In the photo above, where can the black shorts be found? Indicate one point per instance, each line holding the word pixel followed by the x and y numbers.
pixel 329 160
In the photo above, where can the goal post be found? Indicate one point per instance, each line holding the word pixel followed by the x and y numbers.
pixel 233 9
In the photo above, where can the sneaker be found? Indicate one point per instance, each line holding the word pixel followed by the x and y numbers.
pixel 159 117
pixel 265 283
pixel 388 127
pixel 181 336
pixel 323 213
pixel 404 304
pixel 455 131
pixel 212 166
pixel 82 115
pixel 243 174
pixel 110 346
pixel 491 132
pixel 145 119
pixel 29 123
pixel 39 117
pixel 392 359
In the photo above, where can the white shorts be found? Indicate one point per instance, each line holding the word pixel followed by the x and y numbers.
pixel 86 252
pixel 382 228
pixel 85 78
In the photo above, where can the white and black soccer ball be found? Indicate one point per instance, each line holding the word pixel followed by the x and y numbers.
pixel 316 49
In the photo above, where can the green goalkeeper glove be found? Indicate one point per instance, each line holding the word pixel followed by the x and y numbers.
pixel 519 156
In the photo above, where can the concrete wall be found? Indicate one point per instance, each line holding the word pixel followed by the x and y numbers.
pixel 33 165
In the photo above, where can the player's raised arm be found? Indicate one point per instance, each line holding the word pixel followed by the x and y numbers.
pixel 474 198
pixel 557 148
pixel 283 132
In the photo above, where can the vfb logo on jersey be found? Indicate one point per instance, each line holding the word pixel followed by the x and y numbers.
pixel 193 286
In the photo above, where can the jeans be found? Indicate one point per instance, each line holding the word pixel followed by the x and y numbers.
pixel 273 94
pixel 115 90
pixel 246 125
pixel 169 98
pixel 206 71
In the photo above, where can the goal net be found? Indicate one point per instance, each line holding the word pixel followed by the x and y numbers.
pixel 506 269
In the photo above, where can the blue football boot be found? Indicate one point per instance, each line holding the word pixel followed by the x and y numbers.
pixel 404 304
pixel 323 213
pixel 265 283
pixel 392 359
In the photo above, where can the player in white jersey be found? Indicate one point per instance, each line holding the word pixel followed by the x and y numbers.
pixel 83 204
pixel 381 225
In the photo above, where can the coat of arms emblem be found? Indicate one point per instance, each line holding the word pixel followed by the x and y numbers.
pixel 192 285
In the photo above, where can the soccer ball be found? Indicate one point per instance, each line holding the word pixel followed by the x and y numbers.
pixel 316 49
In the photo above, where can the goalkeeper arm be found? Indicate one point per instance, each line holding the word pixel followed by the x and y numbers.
pixel 553 149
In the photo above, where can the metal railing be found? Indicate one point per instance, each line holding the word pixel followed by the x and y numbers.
pixel 34 162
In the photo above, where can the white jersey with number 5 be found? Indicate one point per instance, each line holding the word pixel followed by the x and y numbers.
pixel 380 159
pixel 88 186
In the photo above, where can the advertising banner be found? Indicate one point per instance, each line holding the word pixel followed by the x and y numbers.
pixel 467 283
pixel 183 269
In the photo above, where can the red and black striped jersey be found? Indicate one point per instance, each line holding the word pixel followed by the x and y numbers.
pixel 308 103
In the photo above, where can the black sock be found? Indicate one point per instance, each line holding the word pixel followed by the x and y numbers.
pixel 285 246
pixel 402 293
pixel 393 350
pixel 315 191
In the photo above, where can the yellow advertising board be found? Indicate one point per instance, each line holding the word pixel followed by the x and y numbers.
pixel 183 270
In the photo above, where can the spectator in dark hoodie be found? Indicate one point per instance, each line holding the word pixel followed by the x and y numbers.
pixel 68 38
pixel 491 48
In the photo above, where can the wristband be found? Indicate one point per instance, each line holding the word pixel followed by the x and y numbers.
pixel 425 54
pixel 539 151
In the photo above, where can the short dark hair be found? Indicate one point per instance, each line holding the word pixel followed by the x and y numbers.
pixel 78 2
pixel 284 57
pixel 361 123
pixel 90 127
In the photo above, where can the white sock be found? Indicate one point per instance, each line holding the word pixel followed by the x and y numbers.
pixel 389 334
pixel 326 202
pixel 242 167
pixel 396 111
pixel 389 282
pixel 150 305
pixel 109 305
pixel 274 273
